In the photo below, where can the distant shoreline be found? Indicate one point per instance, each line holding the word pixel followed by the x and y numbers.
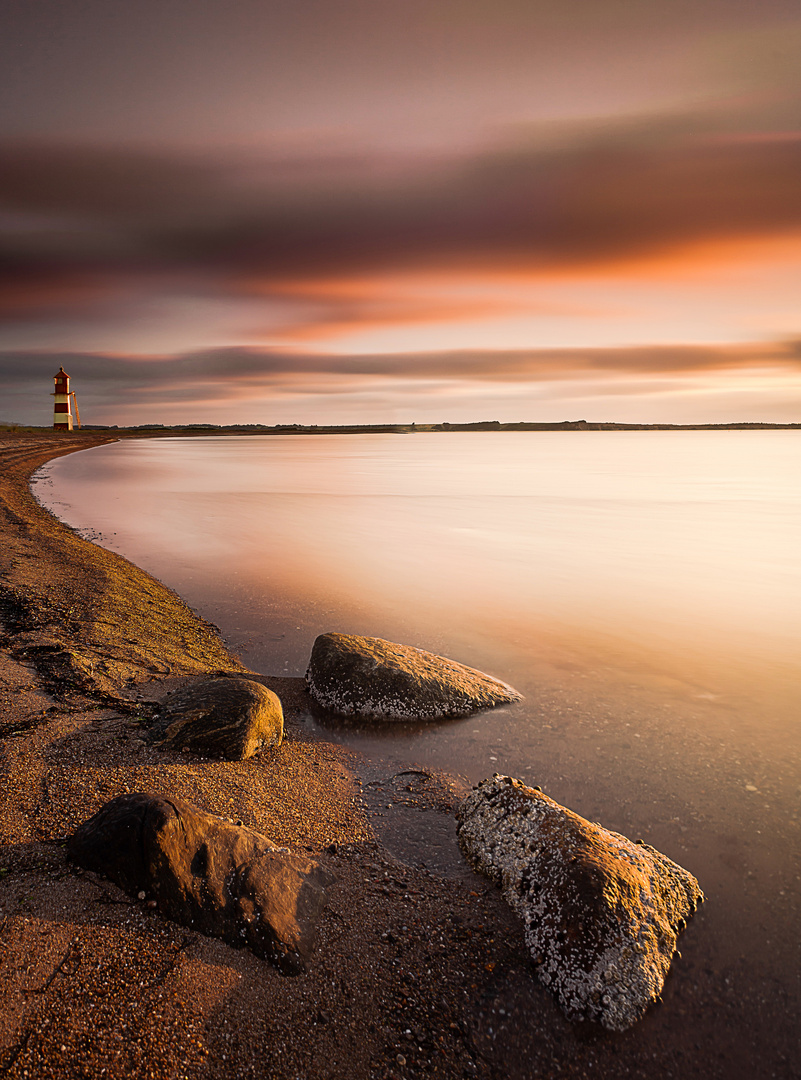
pixel 177 430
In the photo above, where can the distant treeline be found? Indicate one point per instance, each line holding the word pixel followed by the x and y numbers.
pixel 377 429
pixel 407 429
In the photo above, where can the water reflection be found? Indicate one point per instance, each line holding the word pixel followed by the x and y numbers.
pixel 665 542
pixel 607 576
pixel 643 590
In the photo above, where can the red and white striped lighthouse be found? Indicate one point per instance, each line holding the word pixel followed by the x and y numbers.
pixel 62 414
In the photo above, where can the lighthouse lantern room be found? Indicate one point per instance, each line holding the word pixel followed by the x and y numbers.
pixel 62 413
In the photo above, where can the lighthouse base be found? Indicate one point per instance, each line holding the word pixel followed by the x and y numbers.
pixel 63 425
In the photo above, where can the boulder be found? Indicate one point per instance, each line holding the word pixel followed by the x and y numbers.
pixel 601 913
pixel 221 879
pixel 228 718
pixel 370 677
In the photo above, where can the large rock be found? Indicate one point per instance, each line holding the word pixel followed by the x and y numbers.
pixel 221 879
pixel 370 677
pixel 601 913
pixel 229 718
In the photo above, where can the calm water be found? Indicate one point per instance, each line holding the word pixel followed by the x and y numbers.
pixel 642 589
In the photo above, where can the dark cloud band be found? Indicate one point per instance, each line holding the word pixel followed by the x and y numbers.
pixel 598 197
pixel 234 371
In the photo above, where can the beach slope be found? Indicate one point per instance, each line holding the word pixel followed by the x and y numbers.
pixel 97 983
pixel 419 968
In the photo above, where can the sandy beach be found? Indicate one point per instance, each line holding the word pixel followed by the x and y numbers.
pixel 419 968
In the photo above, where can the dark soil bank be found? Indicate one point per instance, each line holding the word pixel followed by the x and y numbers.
pixel 419 969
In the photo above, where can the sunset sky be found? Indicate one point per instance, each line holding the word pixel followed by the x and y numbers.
pixel 333 211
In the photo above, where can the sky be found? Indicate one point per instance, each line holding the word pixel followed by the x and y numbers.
pixel 356 211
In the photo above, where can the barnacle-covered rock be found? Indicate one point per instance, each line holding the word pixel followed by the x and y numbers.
pixel 601 913
pixel 370 677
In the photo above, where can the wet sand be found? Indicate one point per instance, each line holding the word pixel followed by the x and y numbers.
pixel 419 970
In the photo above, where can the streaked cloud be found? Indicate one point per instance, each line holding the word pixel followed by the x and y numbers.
pixel 231 372
pixel 100 246
pixel 596 195
pixel 268 386
pixel 365 200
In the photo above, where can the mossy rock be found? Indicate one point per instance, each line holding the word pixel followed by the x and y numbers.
pixel 227 718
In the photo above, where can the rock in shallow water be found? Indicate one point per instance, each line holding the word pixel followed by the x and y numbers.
pixel 370 677
pixel 223 880
pixel 601 913
pixel 228 718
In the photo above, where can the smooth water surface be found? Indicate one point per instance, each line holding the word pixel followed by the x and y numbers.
pixel 642 589
pixel 667 557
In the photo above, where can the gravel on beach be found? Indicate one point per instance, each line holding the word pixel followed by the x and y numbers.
pixel 419 968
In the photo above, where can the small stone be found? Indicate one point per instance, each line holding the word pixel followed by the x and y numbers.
pixel 401 1060
pixel 141 894
pixel 226 718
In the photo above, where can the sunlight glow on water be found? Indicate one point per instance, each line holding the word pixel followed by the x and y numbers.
pixel 618 580
pixel 670 542
pixel 642 589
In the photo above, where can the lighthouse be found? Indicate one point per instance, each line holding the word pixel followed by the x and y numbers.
pixel 62 414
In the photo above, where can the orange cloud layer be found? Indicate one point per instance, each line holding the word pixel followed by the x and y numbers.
pixel 228 370
pixel 610 196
